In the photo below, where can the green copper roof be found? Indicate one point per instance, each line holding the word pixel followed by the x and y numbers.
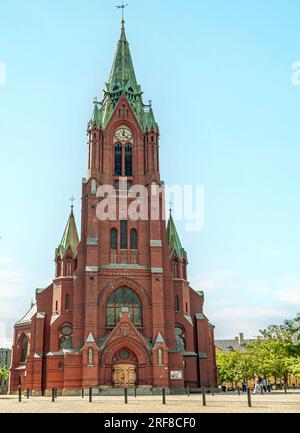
pixel 122 81
pixel 70 238
pixel 173 239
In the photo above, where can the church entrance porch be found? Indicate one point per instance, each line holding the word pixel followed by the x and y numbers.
pixel 124 376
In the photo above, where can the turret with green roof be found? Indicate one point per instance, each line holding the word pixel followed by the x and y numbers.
pixel 173 239
pixel 122 81
pixel 70 239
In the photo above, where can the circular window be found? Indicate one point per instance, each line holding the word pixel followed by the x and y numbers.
pixel 124 354
pixel 66 330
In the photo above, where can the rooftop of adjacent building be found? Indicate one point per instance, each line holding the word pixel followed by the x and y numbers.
pixel 228 345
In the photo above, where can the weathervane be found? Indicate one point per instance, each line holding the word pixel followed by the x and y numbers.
pixel 122 6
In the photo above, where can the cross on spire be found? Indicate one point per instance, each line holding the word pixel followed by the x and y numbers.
pixel 122 6
pixel 170 204
pixel 72 199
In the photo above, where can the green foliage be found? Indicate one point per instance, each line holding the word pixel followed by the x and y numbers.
pixel 274 353
pixel 4 373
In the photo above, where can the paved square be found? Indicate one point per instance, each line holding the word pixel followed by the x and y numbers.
pixel 276 402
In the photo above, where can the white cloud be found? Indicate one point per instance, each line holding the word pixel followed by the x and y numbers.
pixel 291 295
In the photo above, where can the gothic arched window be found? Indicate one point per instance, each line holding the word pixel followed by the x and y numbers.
pixel 128 160
pixel 184 274
pixel 69 266
pixel 160 357
pixel 123 224
pixel 118 160
pixel 120 298
pixel 133 239
pixel 24 348
pixel 175 265
pixel 180 339
pixel 114 239
pixel 90 356
pixel 67 302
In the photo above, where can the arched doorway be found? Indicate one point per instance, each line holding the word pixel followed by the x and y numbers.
pixel 124 369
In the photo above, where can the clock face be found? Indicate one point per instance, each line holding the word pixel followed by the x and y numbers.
pixel 123 134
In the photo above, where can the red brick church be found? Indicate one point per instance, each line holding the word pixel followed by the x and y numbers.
pixel 120 311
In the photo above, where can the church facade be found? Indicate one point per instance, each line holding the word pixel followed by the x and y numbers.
pixel 120 311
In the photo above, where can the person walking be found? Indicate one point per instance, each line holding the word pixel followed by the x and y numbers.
pixel 224 386
pixel 244 385
pixel 264 384
pixel 257 385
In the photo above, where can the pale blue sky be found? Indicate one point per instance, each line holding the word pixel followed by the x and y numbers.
pixel 219 75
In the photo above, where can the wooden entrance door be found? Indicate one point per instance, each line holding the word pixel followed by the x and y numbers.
pixel 124 376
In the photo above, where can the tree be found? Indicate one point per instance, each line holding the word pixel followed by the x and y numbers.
pixel 4 373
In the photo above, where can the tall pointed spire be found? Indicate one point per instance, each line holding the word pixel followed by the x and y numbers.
pixel 122 76
pixel 122 81
pixel 70 237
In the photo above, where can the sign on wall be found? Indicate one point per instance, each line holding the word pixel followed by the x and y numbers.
pixel 176 375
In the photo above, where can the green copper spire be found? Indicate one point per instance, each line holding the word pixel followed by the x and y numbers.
pixel 70 238
pixel 122 76
pixel 173 238
pixel 122 81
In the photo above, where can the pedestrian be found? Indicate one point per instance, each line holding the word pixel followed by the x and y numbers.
pixel 257 385
pixel 269 385
pixel 264 384
pixel 224 386
pixel 244 385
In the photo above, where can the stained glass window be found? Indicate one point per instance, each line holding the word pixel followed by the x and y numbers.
pixel 120 298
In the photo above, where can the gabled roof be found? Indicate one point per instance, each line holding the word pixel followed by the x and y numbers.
pixel 28 316
pixel 173 239
pixel 70 238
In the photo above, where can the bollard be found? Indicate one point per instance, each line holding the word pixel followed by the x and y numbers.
pixel 135 391
pixel 164 396
pixel 212 391
pixel 249 397
pixel 238 390
pixel 90 395
pixel 285 388
pixel 126 395
pixel 203 397
pixel 82 393
pixel 188 391
pixel 28 393
pixel 53 395
pixel 20 393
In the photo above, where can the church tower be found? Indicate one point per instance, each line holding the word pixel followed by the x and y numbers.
pixel 120 311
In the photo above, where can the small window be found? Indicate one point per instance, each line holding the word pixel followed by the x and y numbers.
pixel 67 302
pixel 186 307
pixel 114 239
pixel 69 266
pixel 90 357
pixel 177 303
pixel 180 339
pixel 24 348
pixel 133 239
pixel 160 357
